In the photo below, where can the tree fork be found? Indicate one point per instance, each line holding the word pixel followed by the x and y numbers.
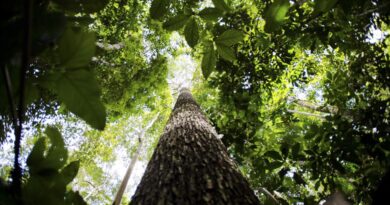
pixel 190 165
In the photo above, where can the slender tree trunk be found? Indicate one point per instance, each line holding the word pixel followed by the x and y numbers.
pixel 190 165
pixel 122 188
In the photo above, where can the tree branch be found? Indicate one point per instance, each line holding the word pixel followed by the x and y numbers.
pixel 266 192
pixel 307 113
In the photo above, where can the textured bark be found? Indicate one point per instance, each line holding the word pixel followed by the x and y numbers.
pixel 190 165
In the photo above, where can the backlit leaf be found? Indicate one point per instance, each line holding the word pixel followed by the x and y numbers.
pixel 275 15
pixel 210 14
pixel 191 33
pixel 226 52
pixel 230 37
pixel 208 60
pixel 158 8
pixel 80 92
pixel 176 22
pixel 69 172
pixel 76 48
pixel 57 155
pixel 221 4
pixel 35 158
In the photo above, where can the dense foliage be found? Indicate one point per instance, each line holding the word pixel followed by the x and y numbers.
pixel 299 89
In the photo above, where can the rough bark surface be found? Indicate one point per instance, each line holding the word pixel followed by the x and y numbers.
pixel 190 165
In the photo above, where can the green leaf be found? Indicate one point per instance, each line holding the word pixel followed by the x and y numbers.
pixel 36 157
pixel 221 4
pixel 70 171
pixel 208 60
pixel 176 23
pixel 295 151
pixel 159 8
pixel 76 48
pixel 74 198
pixel 226 53
pixel 81 95
pixel 274 165
pixel 275 15
pixel 230 37
pixel 324 5
pixel 55 136
pixel 338 166
pixel 284 148
pixel 191 33
pixel 57 154
pixel 273 154
pixel 298 178
pixel 210 14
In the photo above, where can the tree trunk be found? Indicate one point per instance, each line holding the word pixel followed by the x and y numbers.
pixel 190 165
pixel 134 158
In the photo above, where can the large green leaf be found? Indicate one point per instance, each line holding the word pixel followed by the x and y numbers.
pixel 57 155
pixel 176 22
pixel 76 48
pixel 159 8
pixel 80 92
pixel 210 14
pixel 36 156
pixel 275 15
pixel 74 198
pixel 55 136
pixel 70 171
pixel 191 32
pixel 226 52
pixel 230 37
pixel 221 4
pixel 208 60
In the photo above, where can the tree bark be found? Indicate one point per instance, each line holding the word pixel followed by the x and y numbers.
pixel 190 165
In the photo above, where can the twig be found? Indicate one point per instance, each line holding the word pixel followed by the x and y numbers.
pixel 374 9
pixel 323 116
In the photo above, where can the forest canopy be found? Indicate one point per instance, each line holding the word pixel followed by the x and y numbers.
pixel 298 91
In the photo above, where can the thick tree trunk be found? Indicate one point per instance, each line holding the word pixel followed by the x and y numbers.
pixel 190 165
